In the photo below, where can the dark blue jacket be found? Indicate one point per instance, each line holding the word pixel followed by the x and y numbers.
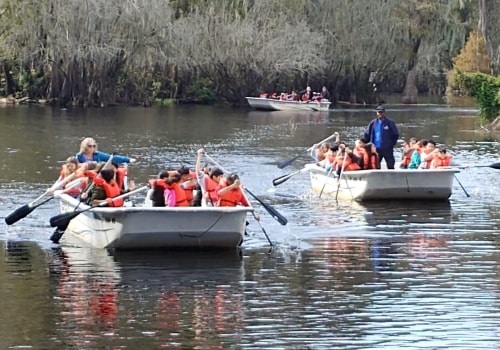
pixel 390 133
pixel 103 157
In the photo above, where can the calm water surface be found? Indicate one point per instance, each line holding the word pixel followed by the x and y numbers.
pixel 342 275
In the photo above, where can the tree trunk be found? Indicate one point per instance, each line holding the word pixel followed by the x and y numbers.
pixel 410 92
pixel 488 10
pixel 11 86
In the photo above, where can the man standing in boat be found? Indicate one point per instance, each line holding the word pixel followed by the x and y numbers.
pixel 384 134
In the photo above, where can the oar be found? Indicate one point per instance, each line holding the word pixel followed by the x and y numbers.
pixel 258 221
pixel 493 166
pixel 290 161
pixel 273 212
pixel 463 188
pixel 61 221
pixel 279 180
pixel 26 209
pixel 326 180
pixel 341 173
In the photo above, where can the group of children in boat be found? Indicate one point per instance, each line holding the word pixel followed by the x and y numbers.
pixel 306 95
pixel 94 177
pixel 416 154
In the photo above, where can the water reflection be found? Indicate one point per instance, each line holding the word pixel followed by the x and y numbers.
pixel 171 298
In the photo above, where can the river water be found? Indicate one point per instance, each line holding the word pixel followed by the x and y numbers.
pixel 341 275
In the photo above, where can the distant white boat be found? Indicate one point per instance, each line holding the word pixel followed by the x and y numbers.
pixel 365 185
pixel 140 227
pixel 269 104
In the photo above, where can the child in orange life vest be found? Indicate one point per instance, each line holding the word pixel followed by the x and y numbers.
pixel 174 195
pixel 105 188
pixel 427 155
pixel 188 183
pixel 231 194
pixel 367 156
pixel 345 160
pixel 158 189
pixel 69 173
pixel 320 152
pixel 407 152
pixel 210 183
pixel 121 175
pixel 441 159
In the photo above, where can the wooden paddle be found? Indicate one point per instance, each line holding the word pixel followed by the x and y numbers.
pixel 61 221
pixel 273 212
pixel 279 180
pixel 290 161
pixel 26 209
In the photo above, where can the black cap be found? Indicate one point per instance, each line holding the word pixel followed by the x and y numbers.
pixel 380 109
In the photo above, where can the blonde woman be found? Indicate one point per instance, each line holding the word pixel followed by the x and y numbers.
pixel 88 152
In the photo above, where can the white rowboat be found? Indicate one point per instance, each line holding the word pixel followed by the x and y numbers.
pixel 365 185
pixel 141 228
pixel 269 104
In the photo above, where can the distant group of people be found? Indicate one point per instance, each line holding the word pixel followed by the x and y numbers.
pixel 306 95
pixel 377 143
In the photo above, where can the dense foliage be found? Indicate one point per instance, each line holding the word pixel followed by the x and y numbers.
pixel 486 89
pixel 103 52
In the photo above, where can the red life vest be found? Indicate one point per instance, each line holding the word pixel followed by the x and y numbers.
pixel 111 189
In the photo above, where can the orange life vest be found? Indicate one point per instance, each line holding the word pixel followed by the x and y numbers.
pixel 121 173
pixel 440 162
pixel 75 191
pixel 180 196
pixel 350 165
pixel 407 153
pixel 111 189
pixel 232 198
pixel 211 188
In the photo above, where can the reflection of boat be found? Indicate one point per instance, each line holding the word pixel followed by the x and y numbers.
pixel 364 185
pixel 432 214
pixel 157 227
pixel 269 104
pixel 98 293
pixel 163 267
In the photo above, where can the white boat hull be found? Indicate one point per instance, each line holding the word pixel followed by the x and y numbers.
pixel 269 104
pixel 133 228
pixel 365 185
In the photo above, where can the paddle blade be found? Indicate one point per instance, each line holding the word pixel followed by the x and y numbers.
pixel 56 236
pixel 495 166
pixel 279 180
pixel 18 214
pixel 273 212
pixel 61 221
